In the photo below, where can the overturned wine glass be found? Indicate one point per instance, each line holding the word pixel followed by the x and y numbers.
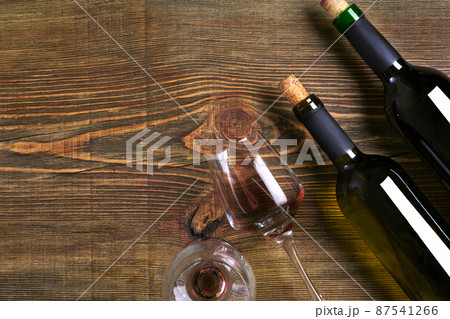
pixel 259 192
pixel 209 270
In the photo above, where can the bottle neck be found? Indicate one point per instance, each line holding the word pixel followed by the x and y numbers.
pixel 322 126
pixel 378 53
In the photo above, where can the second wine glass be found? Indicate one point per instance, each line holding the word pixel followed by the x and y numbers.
pixel 259 193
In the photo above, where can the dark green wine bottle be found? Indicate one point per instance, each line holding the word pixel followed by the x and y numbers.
pixel 417 100
pixel 383 204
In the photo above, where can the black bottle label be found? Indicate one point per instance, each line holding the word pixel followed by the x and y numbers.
pixel 435 245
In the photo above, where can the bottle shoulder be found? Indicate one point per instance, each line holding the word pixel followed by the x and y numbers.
pixel 411 104
pixel 367 172
pixel 414 79
pixel 367 185
pixel 366 162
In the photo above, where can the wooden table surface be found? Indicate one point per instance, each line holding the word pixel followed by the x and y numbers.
pixel 70 98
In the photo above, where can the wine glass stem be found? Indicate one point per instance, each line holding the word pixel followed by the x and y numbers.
pixel 286 241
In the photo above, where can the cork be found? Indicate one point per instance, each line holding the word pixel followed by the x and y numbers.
pixel 293 90
pixel 334 7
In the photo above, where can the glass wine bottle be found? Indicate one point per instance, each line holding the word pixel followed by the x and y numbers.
pixel 417 100
pixel 382 203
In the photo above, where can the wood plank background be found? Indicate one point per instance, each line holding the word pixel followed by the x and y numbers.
pixel 70 98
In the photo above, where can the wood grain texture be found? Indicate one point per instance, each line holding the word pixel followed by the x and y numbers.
pixel 70 98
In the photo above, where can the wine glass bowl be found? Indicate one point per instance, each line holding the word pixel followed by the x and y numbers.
pixel 258 192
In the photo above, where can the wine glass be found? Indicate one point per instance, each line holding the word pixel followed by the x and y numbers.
pixel 259 192
pixel 209 270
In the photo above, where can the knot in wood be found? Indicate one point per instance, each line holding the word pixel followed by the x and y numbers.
pixel 235 123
